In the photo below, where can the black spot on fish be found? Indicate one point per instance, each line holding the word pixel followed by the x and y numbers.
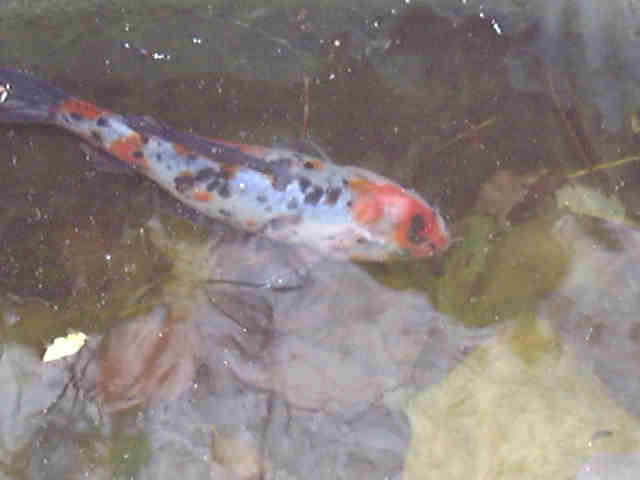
pixel 280 222
pixel 184 183
pixel 333 194
pixel 97 136
pixel 349 204
pixel 282 163
pixel 205 174
pixel 293 204
pixel 276 224
pixel 159 157
pixel 102 122
pixel 261 199
pixel 314 196
pixel 211 186
pixel 416 229
pixel 138 154
pixel 304 183
pixel 281 173
pixel 345 182
pixel 224 191
pixel 228 172
pixel 308 165
pixel 224 213
pixel 76 116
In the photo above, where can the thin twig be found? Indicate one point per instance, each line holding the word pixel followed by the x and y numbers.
pixel 603 166
pixel 461 136
pixel 305 123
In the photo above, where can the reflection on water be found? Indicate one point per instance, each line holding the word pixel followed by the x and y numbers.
pixel 516 349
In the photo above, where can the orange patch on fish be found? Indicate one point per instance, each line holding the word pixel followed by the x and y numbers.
pixel 129 150
pixel 253 150
pixel 251 225
pixel 229 171
pixel 362 185
pixel 367 209
pixel 385 194
pixel 369 205
pixel 202 196
pixel 314 163
pixel 428 233
pixel 80 107
pixel 180 149
pixel 392 203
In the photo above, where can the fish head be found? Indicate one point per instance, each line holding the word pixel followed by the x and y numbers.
pixel 397 223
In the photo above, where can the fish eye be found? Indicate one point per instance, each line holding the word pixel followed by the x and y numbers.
pixel 416 233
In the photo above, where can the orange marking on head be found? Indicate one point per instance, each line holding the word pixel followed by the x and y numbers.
pixel 129 150
pixel 86 109
pixel 362 185
pixel 416 226
pixel 427 228
pixel 202 196
pixel 367 207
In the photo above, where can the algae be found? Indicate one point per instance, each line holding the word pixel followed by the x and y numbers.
pixel 108 275
pixel 129 454
pixel 494 274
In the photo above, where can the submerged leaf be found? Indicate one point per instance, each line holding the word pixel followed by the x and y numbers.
pixel 583 200
pixel 512 417
pixel 504 191
pixel 153 357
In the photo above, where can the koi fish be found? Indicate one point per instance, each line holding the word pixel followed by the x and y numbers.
pixel 340 211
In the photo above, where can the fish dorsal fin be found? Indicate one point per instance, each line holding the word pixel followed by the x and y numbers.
pixel 218 151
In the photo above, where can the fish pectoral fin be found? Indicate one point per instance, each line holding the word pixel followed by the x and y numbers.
pixel 305 146
pixel 104 161
pixel 247 306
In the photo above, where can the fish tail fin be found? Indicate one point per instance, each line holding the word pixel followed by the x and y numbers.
pixel 27 99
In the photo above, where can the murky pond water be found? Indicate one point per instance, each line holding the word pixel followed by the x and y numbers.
pixel 211 353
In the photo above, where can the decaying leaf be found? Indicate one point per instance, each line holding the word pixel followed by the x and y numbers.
pixel 583 200
pixel 506 190
pixel 152 357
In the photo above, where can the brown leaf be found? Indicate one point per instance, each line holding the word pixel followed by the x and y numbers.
pixel 152 357
pixel 504 191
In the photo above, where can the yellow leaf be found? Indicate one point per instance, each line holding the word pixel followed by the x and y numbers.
pixel 64 346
